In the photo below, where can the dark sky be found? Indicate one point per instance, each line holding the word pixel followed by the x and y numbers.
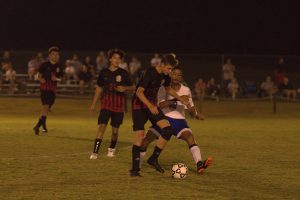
pixel 259 27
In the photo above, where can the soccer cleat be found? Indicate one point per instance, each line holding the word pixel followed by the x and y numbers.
pixel 94 156
pixel 45 130
pixel 111 152
pixel 134 173
pixel 156 165
pixel 36 130
pixel 201 166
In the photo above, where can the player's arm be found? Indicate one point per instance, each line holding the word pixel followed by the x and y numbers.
pixel 140 94
pixel 98 92
pixel 40 74
pixel 192 110
pixel 162 100
pixel 128 85
pixel 173 93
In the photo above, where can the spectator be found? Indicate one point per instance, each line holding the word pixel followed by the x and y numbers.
pixel 6 57
pixel 123 65
pixel 70 72
pixel 76 63
pixel 84 77
pixel 228 72
pixel 90 67
pixel 288 90
pixel 233 88
pixel 200 88
pixel 10 76
pixel 278 77
pixel 1 79
pixel 267 88
pixel 101 62
pixel 32 68
pixel 134 68
pixel 155 61
pixel 213 89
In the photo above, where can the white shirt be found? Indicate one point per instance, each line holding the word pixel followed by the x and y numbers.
pixel 178 113
pixel 228 71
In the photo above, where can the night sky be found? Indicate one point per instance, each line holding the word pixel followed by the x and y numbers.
pixel 149 26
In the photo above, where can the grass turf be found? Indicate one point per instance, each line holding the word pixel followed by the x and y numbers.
pixel 256 155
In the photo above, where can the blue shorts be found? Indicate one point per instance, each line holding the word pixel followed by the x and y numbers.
pixel 178 126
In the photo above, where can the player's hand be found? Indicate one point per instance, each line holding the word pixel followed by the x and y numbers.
pixel 199 116
pixel 42 80
pixel 93 107
pixel 121 88
pixel 53 78
pixel 153 110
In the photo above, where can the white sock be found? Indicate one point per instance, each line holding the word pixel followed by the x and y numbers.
pixel 195 150
pixel 142 155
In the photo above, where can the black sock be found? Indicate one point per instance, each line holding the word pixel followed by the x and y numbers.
pixel 43 121
pixel 97 145
pixel 155 153
pixel 113 144
pixel 135 158
pixel 39 123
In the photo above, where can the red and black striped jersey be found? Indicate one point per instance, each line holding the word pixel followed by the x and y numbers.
pixel 151 81
pixel 48 70
pixel 111 99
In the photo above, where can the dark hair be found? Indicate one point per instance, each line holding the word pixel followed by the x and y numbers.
pixel 177 68
pixel 111 52
pixel 170 59
pixel 56 49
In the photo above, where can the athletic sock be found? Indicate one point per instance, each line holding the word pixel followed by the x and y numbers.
pixel 43 121
pixel 113 144
pixel 97 145
pixel 38 125
pixel 195 150
pixel 135 158
pixel 155 153
pixel 142 155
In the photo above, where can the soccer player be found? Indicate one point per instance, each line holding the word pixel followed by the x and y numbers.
pixel 50 72
pixel 112 84
pixel 144 108
pixel 174 111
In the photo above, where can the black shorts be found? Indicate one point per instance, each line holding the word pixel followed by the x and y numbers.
pixel 116 118
pixel 141 116
pixel 47 97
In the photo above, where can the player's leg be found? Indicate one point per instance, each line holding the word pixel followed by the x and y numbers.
pixel 46 100
pixel 139 119
pixel 166 134
pixel 102 123
pixel 116 121
pixel 152 134
pixel 187 136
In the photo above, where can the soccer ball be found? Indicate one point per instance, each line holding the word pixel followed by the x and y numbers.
pixel 179 170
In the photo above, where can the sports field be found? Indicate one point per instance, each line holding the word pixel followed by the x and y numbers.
pixel 256 155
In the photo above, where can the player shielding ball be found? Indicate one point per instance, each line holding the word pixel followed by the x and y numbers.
pixel 175 114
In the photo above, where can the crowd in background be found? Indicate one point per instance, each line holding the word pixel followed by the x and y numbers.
pixel 84 71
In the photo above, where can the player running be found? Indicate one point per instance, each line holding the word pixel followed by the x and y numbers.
pixel 50 72
pixel 174 111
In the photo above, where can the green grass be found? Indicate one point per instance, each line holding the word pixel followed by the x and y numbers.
pixel 256 155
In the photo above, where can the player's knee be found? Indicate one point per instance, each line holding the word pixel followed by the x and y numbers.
pixel 167 133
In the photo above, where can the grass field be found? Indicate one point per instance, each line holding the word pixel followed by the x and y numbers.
pixel 256 155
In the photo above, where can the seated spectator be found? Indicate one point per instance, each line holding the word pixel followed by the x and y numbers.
pixel 90 67
pixel 288 90
pixel 213 89
pixel 76 63
pixel 200 88
pixel 134 69
pixel 101 62
pixel 10 77
pixel 70 73
pixel 267 88
pixel 233 88
pixel 123 65
pixel 155 61
pixel 84 77
pixel 32 68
